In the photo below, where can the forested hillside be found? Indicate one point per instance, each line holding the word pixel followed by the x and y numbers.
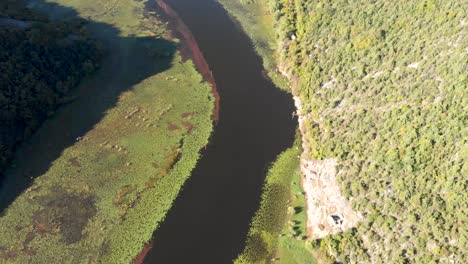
pixel 40 62
pixel 383 86
pixel 383 89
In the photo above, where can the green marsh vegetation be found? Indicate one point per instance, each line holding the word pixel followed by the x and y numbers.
pixel 383 85
pixel 102 198
pixel 293 247
pixel 278 229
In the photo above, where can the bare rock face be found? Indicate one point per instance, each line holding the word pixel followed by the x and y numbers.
pixel 328 211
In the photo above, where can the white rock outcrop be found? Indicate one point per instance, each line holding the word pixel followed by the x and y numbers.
pixel 328 211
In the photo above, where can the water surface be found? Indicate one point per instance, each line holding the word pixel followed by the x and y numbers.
pixel 210 219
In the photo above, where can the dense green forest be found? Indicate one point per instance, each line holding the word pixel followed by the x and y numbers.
pixel 40 62
pixel 383 86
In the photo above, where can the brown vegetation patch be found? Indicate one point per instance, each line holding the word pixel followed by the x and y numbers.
pixel 140 258
pixel 165 166
pixel 122 195
pixel 29 237
pixel 168 163
pixel 8 254
pixel 74 162
pixel 67 212
pixel 12 254
pixel 26 250
pixel 188 114
pixel 124 199
pixel 188 126
pixel 171 126
pixel 151 182
pixel 42 223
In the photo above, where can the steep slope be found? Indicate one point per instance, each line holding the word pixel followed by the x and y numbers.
pixel 381 89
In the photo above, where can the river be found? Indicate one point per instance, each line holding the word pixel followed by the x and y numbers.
pixel 210 218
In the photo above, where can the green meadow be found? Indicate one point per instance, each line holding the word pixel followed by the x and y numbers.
pixel 102 198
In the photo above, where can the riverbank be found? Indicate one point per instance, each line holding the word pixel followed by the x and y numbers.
pixel 250 133
pixel 328 211
pixel 365 111
pixel 190 50
pixel 278 229
pixel 256 21
pixel 110 163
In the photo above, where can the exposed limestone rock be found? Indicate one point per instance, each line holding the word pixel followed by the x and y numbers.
pixel 328 211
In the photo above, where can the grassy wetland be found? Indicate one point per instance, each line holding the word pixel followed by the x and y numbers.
pixel 100 197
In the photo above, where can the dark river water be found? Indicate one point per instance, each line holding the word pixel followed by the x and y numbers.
pixel 210 219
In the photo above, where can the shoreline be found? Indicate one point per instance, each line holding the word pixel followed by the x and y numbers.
pixel 140 258
pixel 189 49
pixel 323 195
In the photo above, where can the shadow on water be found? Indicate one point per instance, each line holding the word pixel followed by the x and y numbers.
pixel 127 62
pixel 210 218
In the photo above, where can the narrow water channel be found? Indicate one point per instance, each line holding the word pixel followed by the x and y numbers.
pixel 210 219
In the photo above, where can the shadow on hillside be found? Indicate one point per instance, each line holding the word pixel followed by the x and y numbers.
pixel 127 61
